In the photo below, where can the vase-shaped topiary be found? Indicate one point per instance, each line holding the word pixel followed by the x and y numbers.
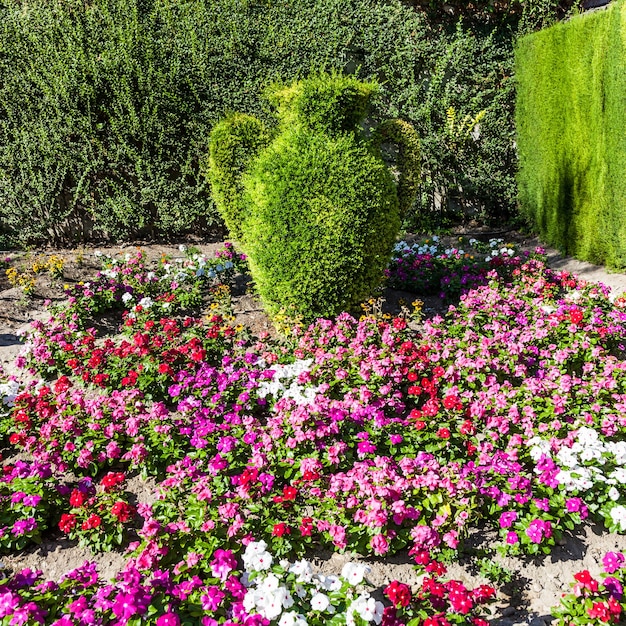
pixel 313 204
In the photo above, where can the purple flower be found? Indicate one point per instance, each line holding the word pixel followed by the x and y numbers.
pixel 614 587
pixel 212 599
pixel 23 526
pixel 538 529
pixel 31 500
pixel 9 601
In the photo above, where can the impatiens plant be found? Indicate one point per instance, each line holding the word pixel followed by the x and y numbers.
pixel 100 514
pixel 595 601
pixel 29 499
pixel 438 601
pixel 349 435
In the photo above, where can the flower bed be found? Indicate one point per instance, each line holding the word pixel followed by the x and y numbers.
pixel 359 435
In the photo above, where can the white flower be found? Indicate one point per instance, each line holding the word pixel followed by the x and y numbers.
pixel 97 253
pixel 127 297
pixel 182 247
pixel 320 602
pixel 146 302
pixel 619 475
pixel 566 457
pixel 272 605
pixel 354 573
pixel 270 583
pixel 288 618
pixel 613 494
pixel 618 448
pixel 261 562
pixel 303 571
pixel 255 547
pixel 8 392
pixel 618 515
pixel 329 583
pixel 367 609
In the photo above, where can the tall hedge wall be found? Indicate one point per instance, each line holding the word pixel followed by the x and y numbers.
pixel 571 134
pixel 106 106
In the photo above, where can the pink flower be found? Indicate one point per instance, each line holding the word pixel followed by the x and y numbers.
pixel 379 544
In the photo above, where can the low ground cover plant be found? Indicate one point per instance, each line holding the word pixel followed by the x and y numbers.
pixel 350 434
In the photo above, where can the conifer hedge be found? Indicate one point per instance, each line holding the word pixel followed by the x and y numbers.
pixel 571 134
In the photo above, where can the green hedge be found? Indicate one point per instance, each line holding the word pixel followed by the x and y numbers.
pixel 106 106
pixel 571 129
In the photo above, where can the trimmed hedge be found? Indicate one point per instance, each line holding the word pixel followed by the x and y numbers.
pixel 316 210
pixel 571 132
pixel 106 106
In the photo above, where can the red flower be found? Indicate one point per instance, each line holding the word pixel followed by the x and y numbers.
pixel 306 527
pixel 93 521
pixel 398 593
pixel 111 480
pixel 437 568
pixel 412 376
pixel 576 316
pixel 399 323
pixel 443 433
pixel 123 511
pixel 422 557
pixel 289 493
pixel 601 611
pixel 280 530
pixel 67 523
pixel 438 371
pixel 587 580
pixel 63 384
pixel 164 368
pixel 467 428
pixel 77 498
pixel 451 402
pixel 17 439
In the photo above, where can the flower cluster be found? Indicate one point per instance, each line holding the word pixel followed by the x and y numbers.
pixel 430 267
pixel 290 594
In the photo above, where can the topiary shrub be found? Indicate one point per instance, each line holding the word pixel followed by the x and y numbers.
pixel 317 209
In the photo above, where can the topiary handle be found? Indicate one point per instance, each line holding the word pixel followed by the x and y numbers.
pixel 233 143
pixel 409 157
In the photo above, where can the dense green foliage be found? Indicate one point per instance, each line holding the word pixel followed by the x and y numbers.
pixel 318 208
pixel 571 127
pixel 105 107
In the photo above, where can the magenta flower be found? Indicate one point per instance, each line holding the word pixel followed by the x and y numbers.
pixel 223 563
pixel 168 619
pixel 212 599
pixel 612 561
pixel 507 518
pixel 512 538
pixel 538 529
